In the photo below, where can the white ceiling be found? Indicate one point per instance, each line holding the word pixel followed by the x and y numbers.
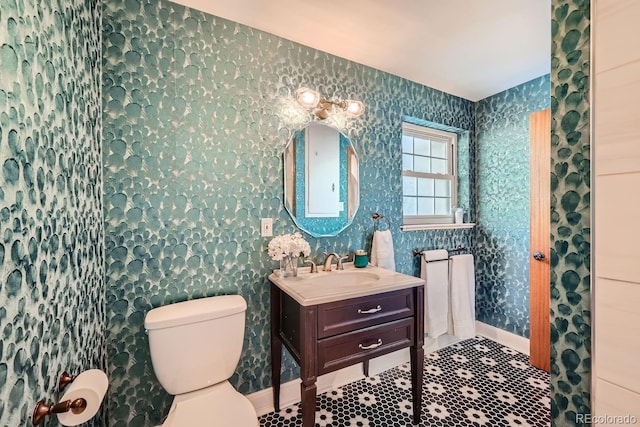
pixel 469 48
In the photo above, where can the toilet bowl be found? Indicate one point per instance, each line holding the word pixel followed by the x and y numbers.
pixel 195 347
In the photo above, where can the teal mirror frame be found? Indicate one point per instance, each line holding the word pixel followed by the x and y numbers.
pixel 294 185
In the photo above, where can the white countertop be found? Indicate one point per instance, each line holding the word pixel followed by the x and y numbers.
pixel 336 285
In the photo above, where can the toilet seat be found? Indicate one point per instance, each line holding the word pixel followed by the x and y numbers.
pixel 217 406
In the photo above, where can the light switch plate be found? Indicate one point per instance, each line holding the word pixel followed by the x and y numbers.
pixel 266 227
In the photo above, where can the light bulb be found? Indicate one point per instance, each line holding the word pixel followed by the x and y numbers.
pixel 354 108
pixel 308 98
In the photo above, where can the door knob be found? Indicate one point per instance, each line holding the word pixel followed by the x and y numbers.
pixel 538 256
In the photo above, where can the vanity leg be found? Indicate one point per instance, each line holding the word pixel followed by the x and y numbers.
pixel 417 354
pixel 365 368
pixel 308 399
pixel 276 346
pixel 308 364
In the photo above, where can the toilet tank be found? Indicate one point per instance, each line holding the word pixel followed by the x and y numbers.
pixel 195 344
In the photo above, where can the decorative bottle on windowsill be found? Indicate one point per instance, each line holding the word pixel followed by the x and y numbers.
pixel 459 215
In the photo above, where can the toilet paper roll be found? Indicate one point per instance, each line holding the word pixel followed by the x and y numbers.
pixel 91 386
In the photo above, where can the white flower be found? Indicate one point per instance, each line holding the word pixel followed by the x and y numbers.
pixel 494 376
pixel 476 416
pixel 288 245
pixel 324 417
pixel 488 361
pixel 402 383
pixel 434 388
pixel 482 348
pixel 538 383
pixel 459 358
pixel 518 364
pixel 515 421
pixel 335 394
pixel 405 407
pixel 464 373
pixel 358 421
pixel 290 412
pixel 367 399
pixel 438 411
pixel 506 397
pixel 470 392
pixel 433 370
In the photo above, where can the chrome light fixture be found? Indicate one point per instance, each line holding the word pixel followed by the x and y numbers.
pixel 323 107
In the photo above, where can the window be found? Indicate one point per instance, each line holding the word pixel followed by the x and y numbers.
pixel 429 175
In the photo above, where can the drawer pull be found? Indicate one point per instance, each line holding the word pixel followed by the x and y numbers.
pixel 369 347
pixel 371 310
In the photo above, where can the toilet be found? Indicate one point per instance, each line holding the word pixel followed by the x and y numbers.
pixel 195 347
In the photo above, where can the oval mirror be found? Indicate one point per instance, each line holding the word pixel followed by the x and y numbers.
pixel 321 185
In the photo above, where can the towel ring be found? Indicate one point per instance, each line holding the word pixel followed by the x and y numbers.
pixel 376 217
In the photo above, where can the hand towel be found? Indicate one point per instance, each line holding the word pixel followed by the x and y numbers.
pixel 463 296
pixel 435 273
pixel 382 250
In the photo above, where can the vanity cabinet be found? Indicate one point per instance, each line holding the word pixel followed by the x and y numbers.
pixel 324 337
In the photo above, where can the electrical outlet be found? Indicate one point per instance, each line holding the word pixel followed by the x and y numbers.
pixel 266 227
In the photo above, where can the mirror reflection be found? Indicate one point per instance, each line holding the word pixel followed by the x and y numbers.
pixel 321 183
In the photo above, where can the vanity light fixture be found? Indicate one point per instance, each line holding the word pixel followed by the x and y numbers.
pixel 310 98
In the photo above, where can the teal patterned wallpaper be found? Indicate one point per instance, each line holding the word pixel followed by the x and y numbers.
pixel 570 215
pixel 197 111
pixel 52 310
pixel 502 231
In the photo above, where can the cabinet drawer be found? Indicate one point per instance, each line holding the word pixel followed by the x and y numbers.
pixel 343 316
pixel 353 347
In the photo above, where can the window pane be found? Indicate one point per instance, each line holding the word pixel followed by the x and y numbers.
pixel 425 206
pixel 409 186
pixel 409 206
pixel 442 187
pixel 422 147
pixel 425 187
pixel 407 144
pixel 438 166
pixel 439 149
pixel 421 164
pixel 407 162
pixel 443 206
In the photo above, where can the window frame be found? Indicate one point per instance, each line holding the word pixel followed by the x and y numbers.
pixel 451 139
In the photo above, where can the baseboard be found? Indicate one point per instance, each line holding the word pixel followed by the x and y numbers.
pixel 290 391
pixel 262 400
pixel 503 337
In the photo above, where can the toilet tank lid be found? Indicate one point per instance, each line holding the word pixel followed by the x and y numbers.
pixel 197 310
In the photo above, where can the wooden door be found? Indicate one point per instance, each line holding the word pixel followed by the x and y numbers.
pixel 539 274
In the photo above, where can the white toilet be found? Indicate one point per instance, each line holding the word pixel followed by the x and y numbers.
pixel 195 347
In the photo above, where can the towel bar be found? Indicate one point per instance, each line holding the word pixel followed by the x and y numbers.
pixel 455 251
pixel 376 217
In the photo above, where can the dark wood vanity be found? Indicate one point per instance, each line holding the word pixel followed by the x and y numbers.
pixel 327 333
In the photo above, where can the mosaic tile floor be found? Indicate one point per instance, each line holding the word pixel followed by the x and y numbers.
pixel 476 382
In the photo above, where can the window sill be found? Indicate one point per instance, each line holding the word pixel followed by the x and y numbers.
pixel 414 227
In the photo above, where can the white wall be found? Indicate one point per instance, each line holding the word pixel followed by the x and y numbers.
pixel 616 101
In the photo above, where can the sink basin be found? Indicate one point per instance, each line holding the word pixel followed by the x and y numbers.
pixel 347 278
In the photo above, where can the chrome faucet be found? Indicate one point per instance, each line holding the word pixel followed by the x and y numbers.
pixel 329 257
pixel 327 260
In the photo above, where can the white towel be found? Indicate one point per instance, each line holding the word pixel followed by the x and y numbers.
pixel 463 296
pixel 382 250
pixel 436 291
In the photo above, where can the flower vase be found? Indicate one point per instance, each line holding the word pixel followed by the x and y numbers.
pixel 289 266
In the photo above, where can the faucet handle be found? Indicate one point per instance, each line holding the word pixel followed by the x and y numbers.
pixel 314 267
pixel 340 259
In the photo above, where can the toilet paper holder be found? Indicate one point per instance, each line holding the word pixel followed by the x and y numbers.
pixel 76 406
